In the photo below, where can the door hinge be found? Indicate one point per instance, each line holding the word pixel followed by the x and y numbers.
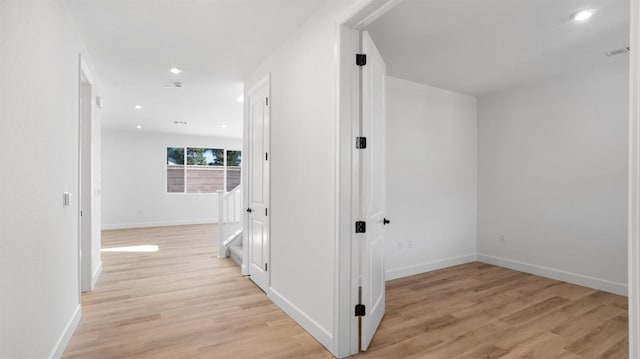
pixel 361 59
pixel 265 267
pixel 80 213
pixel 360 310
pixel 361 142
pixel 267 101
pixel 361 226
pixel 266 156
pixel 265 212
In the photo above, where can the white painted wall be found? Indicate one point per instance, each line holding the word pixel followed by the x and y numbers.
pixel 552 177
pixel 134 181
pixel 303 215
pixel 431 178
pixel 39 84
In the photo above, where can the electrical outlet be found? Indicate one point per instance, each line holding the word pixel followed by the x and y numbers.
pixel 399 245
pixel 409 244
pixel 502 240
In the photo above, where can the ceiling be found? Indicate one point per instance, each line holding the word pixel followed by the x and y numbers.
pixel 479 47
pixel 133 43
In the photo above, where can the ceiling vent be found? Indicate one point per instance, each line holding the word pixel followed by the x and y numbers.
pixel 624 50
pixel 175 84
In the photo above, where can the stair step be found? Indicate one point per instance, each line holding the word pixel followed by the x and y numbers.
pixel 236 253
pixel 235 236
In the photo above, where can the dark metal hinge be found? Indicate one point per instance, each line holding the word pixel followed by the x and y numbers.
pixel 361 142
pixel 265 212
pixel 266 156
pixel 360 310
pixel 265 267
pixel 361 226
pixel 361 59
pixel 267 101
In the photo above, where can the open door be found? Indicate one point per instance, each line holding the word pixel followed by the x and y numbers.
pixel 373 190
pixel 257 224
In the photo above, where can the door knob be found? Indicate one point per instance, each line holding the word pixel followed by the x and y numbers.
pixel 248 210
pixel 385 221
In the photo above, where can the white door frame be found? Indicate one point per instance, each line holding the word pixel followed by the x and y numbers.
pixel 85 173
pixel 347 92
pixel 348 169
pixel 634 184
pixel 246 168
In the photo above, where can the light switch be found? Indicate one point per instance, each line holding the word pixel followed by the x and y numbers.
pixel 66 202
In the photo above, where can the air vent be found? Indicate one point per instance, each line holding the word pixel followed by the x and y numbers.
pixel 175 84
pixel 624 50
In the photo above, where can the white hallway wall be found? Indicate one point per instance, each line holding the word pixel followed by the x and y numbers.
pixel 134 181
pixel 431 178
pixel 303 159
pixel 39 69
pixel 553 177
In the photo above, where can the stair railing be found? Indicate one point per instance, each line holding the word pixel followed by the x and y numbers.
pixel 230 216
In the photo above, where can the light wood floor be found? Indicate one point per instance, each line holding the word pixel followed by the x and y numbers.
pixel 183 302
pixel 478 310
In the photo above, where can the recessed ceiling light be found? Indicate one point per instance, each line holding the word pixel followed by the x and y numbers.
pixel 582 15
pixel 138 127
pixel 223 126
pixel 175 70
pixel 184 123
pixel 138 107
pixel 241 98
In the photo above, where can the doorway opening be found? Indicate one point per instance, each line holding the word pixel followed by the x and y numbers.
pixel 354 30
pixel 88 226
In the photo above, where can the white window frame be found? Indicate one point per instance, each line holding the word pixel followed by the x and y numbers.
pixel 166 174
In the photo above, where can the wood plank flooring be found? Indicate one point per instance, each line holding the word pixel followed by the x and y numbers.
pixel 183 302
pixel 478 310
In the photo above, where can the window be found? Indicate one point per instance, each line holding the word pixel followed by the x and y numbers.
pixel 205 170
pixel 175 169
pixel 234 158
pixel 201 170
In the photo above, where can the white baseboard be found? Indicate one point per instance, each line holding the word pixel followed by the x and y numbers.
pixel 244 269
pixel 71 326
pixel 428 266
pixel 96 275
pixel 303 319
pixel 575 278
pixel 157 224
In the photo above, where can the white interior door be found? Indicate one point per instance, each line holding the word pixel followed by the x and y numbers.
pixel 373 189
pixel 258 185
